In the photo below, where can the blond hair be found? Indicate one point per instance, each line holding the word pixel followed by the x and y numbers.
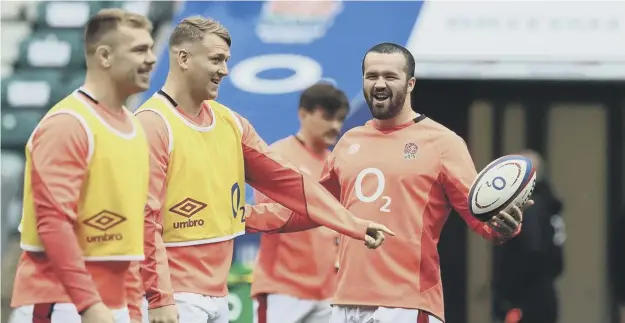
pixel 193 29
pixel 107 20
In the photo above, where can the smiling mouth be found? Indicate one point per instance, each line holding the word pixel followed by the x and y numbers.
pixel 216 82
pixel 381 97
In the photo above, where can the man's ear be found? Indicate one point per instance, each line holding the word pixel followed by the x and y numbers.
pixel 183 59
pixel 301 113
pixel 411 83
pixel 104 55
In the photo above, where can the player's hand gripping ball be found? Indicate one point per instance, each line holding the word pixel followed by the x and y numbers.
pixel 501 190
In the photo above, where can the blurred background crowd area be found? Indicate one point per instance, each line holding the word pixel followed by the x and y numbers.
pixel 506 76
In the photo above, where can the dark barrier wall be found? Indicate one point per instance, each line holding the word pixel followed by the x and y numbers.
pixel 579 128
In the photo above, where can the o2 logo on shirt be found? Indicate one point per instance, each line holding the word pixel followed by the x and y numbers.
pixel 235 198
pixel 386 207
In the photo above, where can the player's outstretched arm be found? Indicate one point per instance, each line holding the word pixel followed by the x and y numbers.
pixel 283 183
pixel 458 172
pixel 59 153
pixel 267 216
pixel 275 218
pixel 155 268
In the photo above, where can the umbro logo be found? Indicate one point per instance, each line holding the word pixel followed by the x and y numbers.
pixel 104 220
pixel 188 207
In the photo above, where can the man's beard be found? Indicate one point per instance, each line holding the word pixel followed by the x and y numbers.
pixel 392 107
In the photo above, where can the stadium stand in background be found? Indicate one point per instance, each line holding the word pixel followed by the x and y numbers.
pixel 43 61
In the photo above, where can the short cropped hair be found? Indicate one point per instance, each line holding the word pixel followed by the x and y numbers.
pixel 107 20
pixel 323 96
pixel 193 29
pixel 391 48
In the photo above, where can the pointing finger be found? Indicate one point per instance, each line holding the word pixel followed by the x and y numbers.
pixel 381 227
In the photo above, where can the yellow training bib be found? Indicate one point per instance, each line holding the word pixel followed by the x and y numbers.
pixel 109 224
pixel 205 176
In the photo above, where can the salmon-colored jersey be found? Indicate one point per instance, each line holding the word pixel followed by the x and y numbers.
pixel 203 269
pixel 299 264
pixel 408 178
pixel 59 151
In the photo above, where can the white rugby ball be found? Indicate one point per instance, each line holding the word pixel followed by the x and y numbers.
pixel 505 182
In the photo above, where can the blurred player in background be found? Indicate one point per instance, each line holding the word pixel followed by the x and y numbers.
pixel 295 277
pixel 534 258
pixel 202 154
pixel 408 172
pixel 86 184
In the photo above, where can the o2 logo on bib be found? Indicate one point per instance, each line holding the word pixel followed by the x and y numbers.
pixel 235 198
pixel 377 194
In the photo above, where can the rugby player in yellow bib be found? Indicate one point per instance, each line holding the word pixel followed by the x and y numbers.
pixel 202 154
pixel 86 185
pixel 205 170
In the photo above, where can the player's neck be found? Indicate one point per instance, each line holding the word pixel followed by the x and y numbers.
pixel 105 92
pixel 180 93
pixel 314 146
pixel 405 115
